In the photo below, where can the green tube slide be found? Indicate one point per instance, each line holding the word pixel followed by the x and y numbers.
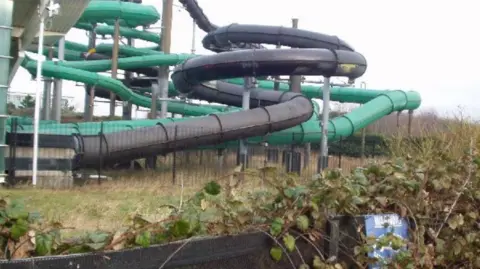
pixel 124 31
pixel 51 69
pixel 127 50
pixel 75 50
pixel 75 46
pixel 130 14
pixel 129 63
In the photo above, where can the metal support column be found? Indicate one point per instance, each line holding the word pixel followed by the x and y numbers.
pixel 363 85
pixel 57 88
pixel 155 94
pixel 249 83
pixel 127 106
pixel 36 117
pixel 163 92
pixel 161 87
pixel 296 86
pixel 194 31
pixel 151 162
pixel 47 91
pixel 410 119
pixel 116 41
pixel 88 105
pixel 163 74
pixel 6 13
pixel 295 81
pixel 323 158
pixel 276 83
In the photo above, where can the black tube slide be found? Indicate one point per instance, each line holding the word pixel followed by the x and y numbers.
pixel 207 130
pixel 192 76
pixel 196 12
pixel 221 38
pixel 202 21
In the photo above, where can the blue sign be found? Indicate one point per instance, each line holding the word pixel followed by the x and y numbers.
pixel 380 225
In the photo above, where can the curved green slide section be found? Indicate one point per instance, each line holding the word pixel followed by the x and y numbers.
pixel 376 104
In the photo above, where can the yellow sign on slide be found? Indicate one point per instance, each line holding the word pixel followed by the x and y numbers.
pixel 91 51
pixel 347 68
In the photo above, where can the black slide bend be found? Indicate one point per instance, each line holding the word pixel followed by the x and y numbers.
pixel 202 21
pixel 196 12
pixel 329 56
pixel 208 130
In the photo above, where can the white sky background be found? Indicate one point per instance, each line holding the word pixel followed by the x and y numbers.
pixel 429 46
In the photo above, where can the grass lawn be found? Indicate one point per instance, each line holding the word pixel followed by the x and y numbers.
pixel 106 206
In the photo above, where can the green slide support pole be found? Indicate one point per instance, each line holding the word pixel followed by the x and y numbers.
pixel 6 13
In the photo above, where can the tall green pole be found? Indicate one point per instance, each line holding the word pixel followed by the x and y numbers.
pixel 6 13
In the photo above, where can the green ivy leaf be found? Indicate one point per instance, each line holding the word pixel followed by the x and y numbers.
pixel 16 210
pixel 317 262
pixel 180 228
pixel 289 193
pixel 19 229
pixel 397 243
pixel 289 242
pixel 160 238
pixel 359 176
pixel 303 223
pixel 277 226
pixel 98 237
pixel 43 244
pixel 294 192
pixel 212 188
pixel 383 201
pixel 143 239
pixel 412 185
pixel 455 221
pixel 96 246
pixel 440 245
pixel 139 221
pixel 3 219
pixel 276 253
pixel 457 247
pixel 356 200
pixel 197 198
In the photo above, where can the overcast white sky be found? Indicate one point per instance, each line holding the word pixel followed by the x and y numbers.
pixel 429 46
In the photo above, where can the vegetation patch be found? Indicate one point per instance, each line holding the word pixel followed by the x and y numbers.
pixel 440 196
